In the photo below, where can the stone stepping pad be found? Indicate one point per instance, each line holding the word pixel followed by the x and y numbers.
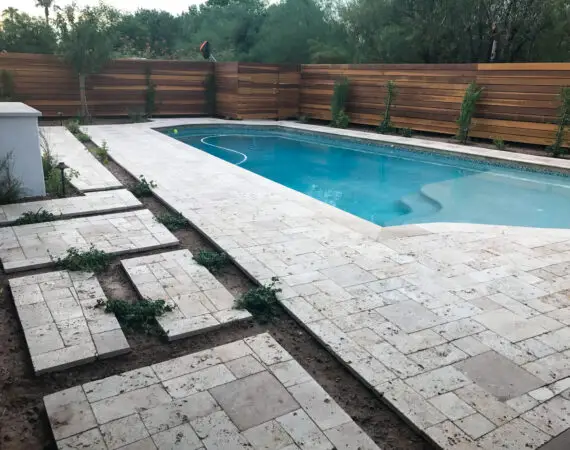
pixel 90 203
pixel 63 328
pixel 249 394
pixel 201 302
pixel 92 175
pixel 27 247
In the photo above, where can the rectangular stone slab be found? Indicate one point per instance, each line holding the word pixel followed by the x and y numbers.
pixel 62 325
pixel 200 301
pixel 91 203
pixel 27 247
pixel 248 407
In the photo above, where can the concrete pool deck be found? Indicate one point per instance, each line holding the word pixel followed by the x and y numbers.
pixel 464 329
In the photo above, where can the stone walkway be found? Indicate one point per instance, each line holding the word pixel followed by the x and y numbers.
pixel 93 176
pixel 27 247
pixel 88 204
pixel 250 394
pixel 61 324
pixel 201 302
pixel 414 311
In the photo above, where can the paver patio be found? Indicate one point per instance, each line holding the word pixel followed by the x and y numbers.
pixel 200 301
pixel 92 175
pixel 247 394
pixel 33 246
pixel 63 328
pixel 412 310
pixel 88 204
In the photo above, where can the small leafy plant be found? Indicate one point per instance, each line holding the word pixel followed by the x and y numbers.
pixel 470 99
pixel 102 153
pixel 261 301
pixel 499 143
pixel 92 260
pixel 391 94
pixel 83 137
pixel 563 121
pixel 39 216
pixel 173 222
pixel 405 132
pixel 139 316
pixel 213 261
pixel 338 104
pixel 73 126
pixel 143 188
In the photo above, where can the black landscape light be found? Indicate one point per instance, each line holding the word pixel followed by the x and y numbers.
pixel 62 166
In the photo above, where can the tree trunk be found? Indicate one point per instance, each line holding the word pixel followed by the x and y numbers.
pixel 83 98
pixel 46 12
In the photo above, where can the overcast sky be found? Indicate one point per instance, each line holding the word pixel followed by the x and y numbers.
pixel 173 6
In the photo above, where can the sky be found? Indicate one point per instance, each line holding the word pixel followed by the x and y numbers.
pixel 173 6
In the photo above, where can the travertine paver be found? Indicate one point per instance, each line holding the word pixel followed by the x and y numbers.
pixel 249 394
pixel 200 301
pixel 33 246
pixel 417 301
pixel 62 325
pixel 91 174
pixel 88 204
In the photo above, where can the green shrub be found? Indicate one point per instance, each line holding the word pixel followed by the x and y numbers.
pixel 52 174
pixel 171 221
pixel 213 261
pixel 139 316
pixel 338 104
pixel 261 301
pixel 210 93
pixel 92 260
pixel 391 94
pixel 499 143
pixel 7 93
pixel 39 216
pixel 137 116
pixel 470 99
pixel 11 189
pixel 143 188
pixel 150 95
pixel 102 153
pixel 405 132
pixel 563 121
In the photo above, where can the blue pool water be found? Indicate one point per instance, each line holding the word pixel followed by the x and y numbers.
pixel 391 186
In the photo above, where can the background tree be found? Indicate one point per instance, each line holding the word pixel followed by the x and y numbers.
pixel 25 34
pixel 86 42
pixel 46 5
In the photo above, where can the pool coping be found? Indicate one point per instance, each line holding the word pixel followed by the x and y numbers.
pixel 482 154
pixel 414 407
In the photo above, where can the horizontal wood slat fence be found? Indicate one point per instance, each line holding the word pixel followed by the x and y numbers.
pixel 519 101
pixel 47 84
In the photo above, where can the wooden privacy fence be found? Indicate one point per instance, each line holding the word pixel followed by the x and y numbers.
pixel 519 101
pixel 47 84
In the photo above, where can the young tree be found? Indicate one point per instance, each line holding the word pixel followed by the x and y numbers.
pixel 46 5
pixel 86 42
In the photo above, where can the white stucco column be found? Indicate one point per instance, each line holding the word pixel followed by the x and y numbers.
pixel 19 134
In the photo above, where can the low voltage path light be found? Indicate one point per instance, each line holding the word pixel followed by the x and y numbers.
pixel 62 166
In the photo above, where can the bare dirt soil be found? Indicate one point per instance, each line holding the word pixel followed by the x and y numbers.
pixel 24 423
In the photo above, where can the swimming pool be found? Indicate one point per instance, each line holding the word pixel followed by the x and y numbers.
pixel 387 185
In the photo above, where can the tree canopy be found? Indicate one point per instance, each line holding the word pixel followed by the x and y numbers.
pixel 324 31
